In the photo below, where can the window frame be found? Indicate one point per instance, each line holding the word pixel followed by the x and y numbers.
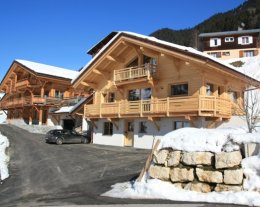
pixel 179 84
pixel 142 127
pixel 109 127
pixel 229 39
pixel 182 124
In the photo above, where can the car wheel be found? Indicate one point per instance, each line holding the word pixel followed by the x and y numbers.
pixel 59 141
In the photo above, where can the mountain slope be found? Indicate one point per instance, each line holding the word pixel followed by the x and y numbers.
pixel 246 16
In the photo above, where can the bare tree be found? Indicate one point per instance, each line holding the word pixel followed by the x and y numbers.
pixel 252 107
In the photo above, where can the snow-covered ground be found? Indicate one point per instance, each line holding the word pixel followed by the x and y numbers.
pixel 193 139
pixel 4 159
pixel 2 113
pixel 33 128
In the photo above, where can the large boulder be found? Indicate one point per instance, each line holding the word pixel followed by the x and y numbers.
pixel 209 176
pixel 160 157
pixel 233 176
pixel 227 159
pixel 174 158
pixel 197 158
pixel 159 172
pixel 223 187
pixel 199 187
pixel 181 174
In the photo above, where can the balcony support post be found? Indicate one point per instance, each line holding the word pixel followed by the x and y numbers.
pixel 40 116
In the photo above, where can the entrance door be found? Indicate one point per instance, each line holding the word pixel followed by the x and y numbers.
pixel 129 134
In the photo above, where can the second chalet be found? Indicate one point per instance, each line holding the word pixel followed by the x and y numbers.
pixel 145 88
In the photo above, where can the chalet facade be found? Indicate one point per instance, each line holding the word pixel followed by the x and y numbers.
pixel 33 90
pixel 231 44
pixel 145 88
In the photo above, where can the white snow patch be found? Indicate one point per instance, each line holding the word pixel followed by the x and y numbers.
pixel 4 159
pixel 49 70
pixel 251 166
pixel 38 129
pixel 157 189
pixel 251 66
pixel 193 139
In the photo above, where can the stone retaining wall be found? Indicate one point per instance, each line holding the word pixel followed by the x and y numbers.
pixel 199 171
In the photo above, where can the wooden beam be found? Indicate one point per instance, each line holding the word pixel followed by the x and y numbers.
pixel 149 52
pixel 93 124
pixel 155 122
pixel 115 59
pixel 114 122
pixel 101 72
pixel 92 85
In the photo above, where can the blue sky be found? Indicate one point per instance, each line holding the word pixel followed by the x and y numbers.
pixel 59 32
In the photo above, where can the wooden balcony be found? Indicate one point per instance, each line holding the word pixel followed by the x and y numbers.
pixel 22 84
pixel 208 106
pixel 35 100
pixel 146 71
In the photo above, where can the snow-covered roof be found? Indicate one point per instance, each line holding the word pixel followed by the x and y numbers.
pixel 49 70
pixel 161 43
pixel 70 109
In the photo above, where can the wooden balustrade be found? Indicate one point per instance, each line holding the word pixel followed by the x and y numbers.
pixel 146 70
pixel 30 100
pixel 201 105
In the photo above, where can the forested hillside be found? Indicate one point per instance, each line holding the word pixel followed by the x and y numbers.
pixel 246 16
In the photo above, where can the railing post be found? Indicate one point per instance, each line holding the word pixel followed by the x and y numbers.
pixel 199 99
pixel 100 110
pixel 215 105
pixel 168 106
pixel 119 111
pixel 130 73
pixel 114 75
pixel 141 108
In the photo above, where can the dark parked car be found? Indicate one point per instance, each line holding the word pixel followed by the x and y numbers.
pixel 60 136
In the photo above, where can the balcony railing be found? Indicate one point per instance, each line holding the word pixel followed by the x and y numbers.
pixel 143 71
pixel 37 100
pixel 200 106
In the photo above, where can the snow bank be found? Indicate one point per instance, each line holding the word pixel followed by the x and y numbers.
pixel 156 189
pixel 251 166
pixel 39 129
pixel 211 140
pixel 193 139
pixel 250 66
pixel 4 159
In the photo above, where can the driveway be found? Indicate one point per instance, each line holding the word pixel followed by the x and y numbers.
pixel 47 174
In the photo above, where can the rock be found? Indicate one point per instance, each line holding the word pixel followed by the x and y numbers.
pixel 197 158
pixel 178 185
pixel 233 176
pixel 223 187
pixel 174 158
pixel 181 174
pixel 199 187
pixel 227 159
pixel 158 172
pixel 209 176
pixel 161 156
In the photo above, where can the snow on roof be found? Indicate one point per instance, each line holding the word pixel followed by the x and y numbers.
pixel 162 42
pixel 49 70
pixel 69 109
pixel 251 66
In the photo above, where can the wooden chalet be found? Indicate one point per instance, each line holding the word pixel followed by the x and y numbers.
pixel 145 87
pixel 32 90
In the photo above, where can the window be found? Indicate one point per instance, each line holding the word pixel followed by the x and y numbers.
pixel 59 94
pixel 180 124
pixel 108 128
pixel 111 97
pixel 229 39
pixel 214 42
pixel 209 89
pixel 233 96
pixel 139 94
pixel 143 127
pixel 226 53
pixel 215 54
pixel 245 40
pixel 248 53
pixel 133 63
pixel 179 89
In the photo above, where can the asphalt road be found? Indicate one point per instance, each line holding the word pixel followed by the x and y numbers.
pixel 50 175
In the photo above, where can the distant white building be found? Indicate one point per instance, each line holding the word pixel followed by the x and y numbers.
pixel 2 113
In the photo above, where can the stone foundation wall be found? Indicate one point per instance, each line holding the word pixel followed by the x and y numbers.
pixel 199 171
